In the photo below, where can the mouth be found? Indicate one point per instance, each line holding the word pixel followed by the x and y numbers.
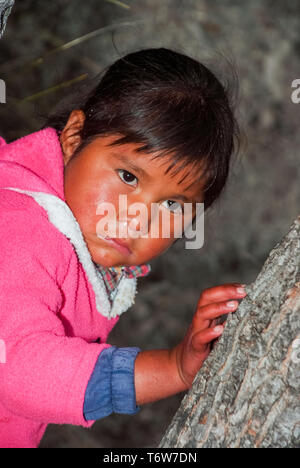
pixel 119 245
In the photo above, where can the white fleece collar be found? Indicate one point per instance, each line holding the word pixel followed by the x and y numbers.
pixel 60 215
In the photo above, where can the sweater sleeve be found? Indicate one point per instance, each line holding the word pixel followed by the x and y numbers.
pixel 45 373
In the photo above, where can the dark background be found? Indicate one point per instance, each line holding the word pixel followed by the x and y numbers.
pixel 261 39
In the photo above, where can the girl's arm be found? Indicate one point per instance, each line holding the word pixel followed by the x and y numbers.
pixel 162 373
pixel 156 376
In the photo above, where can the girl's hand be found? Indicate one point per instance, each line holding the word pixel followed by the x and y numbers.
pixel 195 347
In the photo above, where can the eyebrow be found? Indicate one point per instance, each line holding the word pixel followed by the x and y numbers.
pixel 139 170
pixel 125 159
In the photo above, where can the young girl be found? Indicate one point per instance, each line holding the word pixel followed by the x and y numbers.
pixel 158 128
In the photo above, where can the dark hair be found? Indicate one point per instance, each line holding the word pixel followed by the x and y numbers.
pixel 171 104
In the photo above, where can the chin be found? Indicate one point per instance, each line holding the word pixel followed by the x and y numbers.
pixel 109 262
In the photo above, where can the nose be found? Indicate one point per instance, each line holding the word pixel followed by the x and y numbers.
pixel 134 217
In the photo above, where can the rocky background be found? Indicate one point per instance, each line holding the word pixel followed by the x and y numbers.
pixel 51 48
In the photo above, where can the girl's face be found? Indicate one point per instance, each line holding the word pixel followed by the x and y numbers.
pixel 95 179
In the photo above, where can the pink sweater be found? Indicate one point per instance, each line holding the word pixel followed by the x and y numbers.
pixel 53 303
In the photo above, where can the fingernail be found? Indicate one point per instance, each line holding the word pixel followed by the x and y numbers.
pixel 241 291
pixel 231 304
pixel 218 329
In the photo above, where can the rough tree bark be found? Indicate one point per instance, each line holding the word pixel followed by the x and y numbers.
pixel 5 9
pixel 247 393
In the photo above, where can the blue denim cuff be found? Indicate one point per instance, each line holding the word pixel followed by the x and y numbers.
pixel 111 386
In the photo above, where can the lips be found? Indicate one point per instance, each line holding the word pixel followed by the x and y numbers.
pixel 124 246
pixel 119 245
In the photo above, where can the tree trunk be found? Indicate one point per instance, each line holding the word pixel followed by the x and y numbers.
pixel 5 9
pixel 247 393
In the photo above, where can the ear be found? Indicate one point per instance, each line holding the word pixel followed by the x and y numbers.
pixel 70 138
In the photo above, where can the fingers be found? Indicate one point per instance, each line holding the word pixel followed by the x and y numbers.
pixel 213 303
pixel 213 311
pixel 223 292
pixel 205 314
pixel 206 336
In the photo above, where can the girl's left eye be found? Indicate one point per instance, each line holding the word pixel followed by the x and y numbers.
pixel 127 177
pixel 173 206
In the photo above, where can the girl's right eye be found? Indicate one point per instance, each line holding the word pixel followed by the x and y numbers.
pixel 127 177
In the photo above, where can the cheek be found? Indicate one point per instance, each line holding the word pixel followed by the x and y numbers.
pixel 150 248
pixel 106 210
pixel 167 225
pixel 105 190
pixel 165 228
pixel 94 198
